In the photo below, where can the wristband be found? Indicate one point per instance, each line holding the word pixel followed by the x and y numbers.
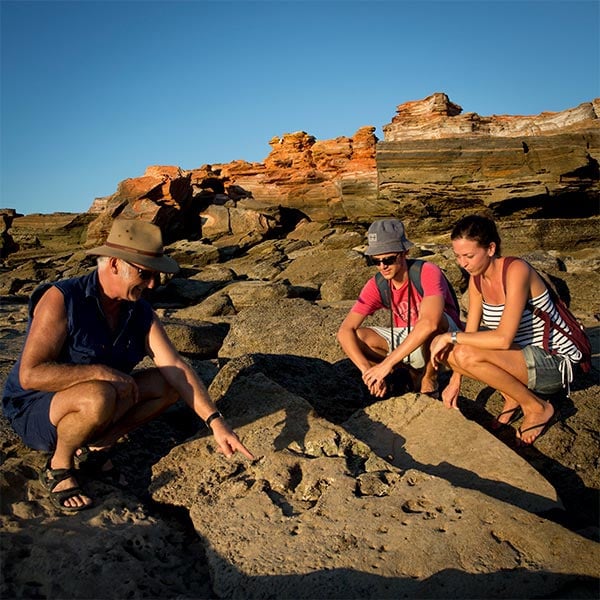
pixel 453 337
pixel 211 418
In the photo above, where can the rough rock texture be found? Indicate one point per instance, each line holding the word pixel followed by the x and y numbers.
pixel 319 515
pixel 436 117
pixel 435 163
pixel 348 497
pixel 47 235
pixel 403 498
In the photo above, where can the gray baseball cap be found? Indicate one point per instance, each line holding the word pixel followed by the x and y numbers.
pixel 386 236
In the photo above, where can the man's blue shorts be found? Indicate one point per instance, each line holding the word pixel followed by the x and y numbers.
pixel 34 426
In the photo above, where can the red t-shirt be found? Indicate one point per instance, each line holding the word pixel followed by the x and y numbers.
pixel 433 283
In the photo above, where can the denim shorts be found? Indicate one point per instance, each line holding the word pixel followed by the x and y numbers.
pixel 543 370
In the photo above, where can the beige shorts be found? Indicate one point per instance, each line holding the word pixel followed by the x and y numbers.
pixel 415 359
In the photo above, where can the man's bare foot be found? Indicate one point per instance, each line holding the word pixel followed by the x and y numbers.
pixel 536 424
pixel 429 386
pixel 424 382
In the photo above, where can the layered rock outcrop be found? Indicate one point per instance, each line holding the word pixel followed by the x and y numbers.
pixel 434 165
pixel 437 163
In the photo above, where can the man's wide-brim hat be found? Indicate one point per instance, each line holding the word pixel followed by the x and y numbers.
pixel 137 242
pixel 387 236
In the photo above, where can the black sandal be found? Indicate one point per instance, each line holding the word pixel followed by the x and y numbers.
pixel 50 478
pixel 515 414
pixel 93 463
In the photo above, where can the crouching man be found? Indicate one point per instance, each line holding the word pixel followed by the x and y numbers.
pixel 73 392
pixel 418 315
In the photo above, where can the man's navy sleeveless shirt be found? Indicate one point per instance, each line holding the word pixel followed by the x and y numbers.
pixel 89 338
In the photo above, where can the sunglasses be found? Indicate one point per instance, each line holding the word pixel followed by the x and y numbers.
pixel 143 274
pixel 386 260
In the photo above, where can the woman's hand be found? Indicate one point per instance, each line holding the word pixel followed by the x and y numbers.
pixel 440 348
pixel 451 392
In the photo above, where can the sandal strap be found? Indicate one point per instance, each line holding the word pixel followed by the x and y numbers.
pixel 92 460
pixel 66 494
pixel 52 477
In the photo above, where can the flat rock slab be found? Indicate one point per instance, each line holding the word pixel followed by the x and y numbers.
pixel 318 514
pixel 414 431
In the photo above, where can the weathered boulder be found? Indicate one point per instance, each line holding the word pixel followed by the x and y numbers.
pixel 324 179
pixel 413 432
pixel 319 515
pixel 163 196
pixel 197 339
pixel 287 326
pixel 47 235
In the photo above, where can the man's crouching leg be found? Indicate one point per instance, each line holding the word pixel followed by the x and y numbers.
pixel 155 396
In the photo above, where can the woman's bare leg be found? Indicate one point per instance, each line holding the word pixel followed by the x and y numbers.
pixel 505 371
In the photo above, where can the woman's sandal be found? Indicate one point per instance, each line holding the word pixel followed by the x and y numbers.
pixel 556 416
pixel 50 478
pixel 516 413
pixel 99 464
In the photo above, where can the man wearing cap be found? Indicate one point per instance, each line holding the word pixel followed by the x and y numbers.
pixel 377 351
pixel 73 392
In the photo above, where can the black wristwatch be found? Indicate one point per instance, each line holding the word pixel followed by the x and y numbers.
pixel 211 418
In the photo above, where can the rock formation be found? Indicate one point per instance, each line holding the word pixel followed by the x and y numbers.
pixel 348 497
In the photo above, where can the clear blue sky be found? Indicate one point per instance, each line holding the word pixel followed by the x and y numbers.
pixel 94 92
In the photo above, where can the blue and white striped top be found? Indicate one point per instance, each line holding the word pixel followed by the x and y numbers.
pixel 531 327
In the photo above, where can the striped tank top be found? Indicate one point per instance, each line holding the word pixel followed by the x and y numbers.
pixel 531 327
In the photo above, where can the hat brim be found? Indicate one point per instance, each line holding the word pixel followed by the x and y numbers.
pixel 388 248
pixel 162 264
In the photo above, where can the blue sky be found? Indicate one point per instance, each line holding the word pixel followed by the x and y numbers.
pixel 94 92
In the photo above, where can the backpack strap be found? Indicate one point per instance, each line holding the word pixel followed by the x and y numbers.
pixel 383 285
pixel 415 266
pixel 505 265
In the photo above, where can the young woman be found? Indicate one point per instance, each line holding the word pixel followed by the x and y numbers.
pixel 502 343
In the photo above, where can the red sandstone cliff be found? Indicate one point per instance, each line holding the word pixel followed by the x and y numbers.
pixel 434 162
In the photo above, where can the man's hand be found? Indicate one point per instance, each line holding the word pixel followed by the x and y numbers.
pixel 227 440
pixel 374 378
pixel 126 386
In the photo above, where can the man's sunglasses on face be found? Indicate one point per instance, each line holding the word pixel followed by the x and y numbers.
pixel 143 274
pixel 386 260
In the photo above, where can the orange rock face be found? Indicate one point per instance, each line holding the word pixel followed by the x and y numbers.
pixel 433 161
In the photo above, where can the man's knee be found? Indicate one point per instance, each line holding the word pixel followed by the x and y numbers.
pixel 94 402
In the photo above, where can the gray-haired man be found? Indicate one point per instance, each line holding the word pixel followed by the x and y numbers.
pixel 73 392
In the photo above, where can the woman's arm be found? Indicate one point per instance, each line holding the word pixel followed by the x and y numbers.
pixel 517 292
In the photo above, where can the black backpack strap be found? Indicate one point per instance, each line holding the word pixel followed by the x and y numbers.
pixel 384 289
pixel 414 273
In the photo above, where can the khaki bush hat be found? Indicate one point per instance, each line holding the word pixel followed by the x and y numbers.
pixel 139 242
pixel 386 236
